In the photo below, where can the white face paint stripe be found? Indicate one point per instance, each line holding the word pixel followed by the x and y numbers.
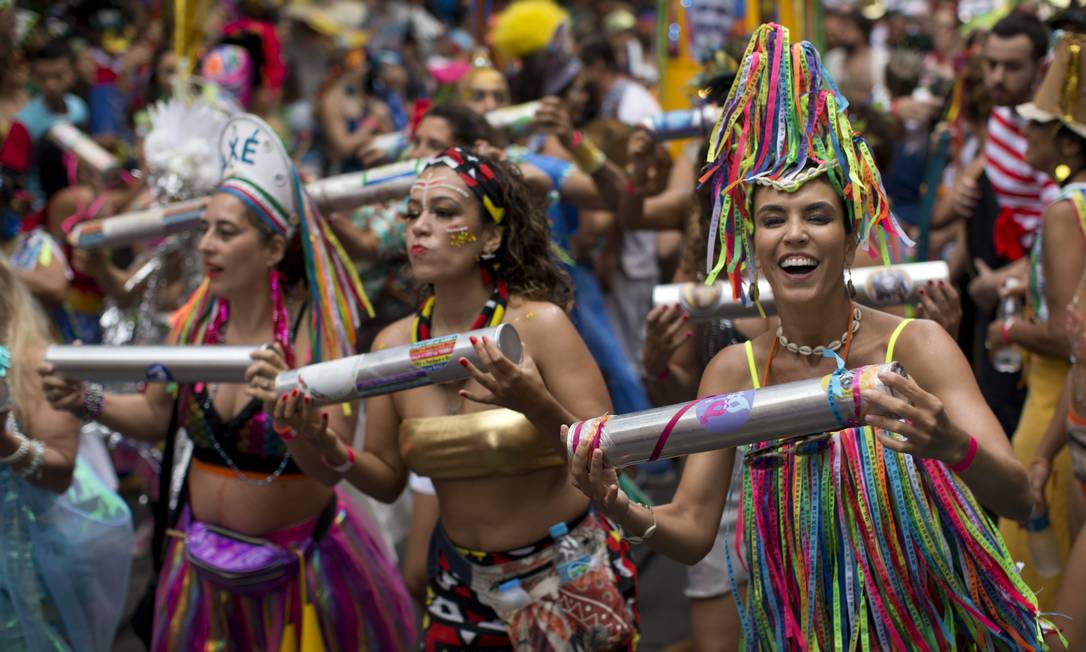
pixel 424 185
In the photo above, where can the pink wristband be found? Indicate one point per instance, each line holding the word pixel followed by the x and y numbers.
pixel 346 466
pixel 970 454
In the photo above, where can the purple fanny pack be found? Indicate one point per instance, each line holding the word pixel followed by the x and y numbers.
pixel 240 563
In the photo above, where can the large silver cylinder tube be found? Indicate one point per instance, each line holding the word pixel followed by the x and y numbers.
pixel 875 286
pixel 682 123
pixel 341 192
pixel 384 183
pixel 397 368
pixel 788 410
pixel 69 138
pixel 127 364
pixel 139 226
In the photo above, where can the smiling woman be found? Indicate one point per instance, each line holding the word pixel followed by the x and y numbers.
pixel 874 532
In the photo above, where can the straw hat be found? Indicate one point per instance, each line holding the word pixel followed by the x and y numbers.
pixel 1062 95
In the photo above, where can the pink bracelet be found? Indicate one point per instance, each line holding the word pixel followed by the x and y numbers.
pixel 346 466
pixel 970 455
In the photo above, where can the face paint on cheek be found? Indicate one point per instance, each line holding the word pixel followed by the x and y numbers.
pixel 460 236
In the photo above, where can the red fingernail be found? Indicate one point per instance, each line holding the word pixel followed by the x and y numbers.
pixel 283 397
pixel 324 417
pixel 463 362
pixel 920 291
pixel 685 316
pixel 294 393
pixel 931 282
pixel 473 340
pixel 485 339
pixel 307 401
pixel 462 392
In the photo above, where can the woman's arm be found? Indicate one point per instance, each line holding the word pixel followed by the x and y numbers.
pixel 143 416
pixel 342 144
pixel 669 353
pixel 58 431
pixel 944 407
pixel 1055 438
pixel 1062 260
pixel 687 526
pixel 48 283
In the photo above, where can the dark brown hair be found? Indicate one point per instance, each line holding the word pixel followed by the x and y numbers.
pixel 524 260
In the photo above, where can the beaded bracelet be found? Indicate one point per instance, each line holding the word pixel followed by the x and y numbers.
pixel 34 467
pixel 93 399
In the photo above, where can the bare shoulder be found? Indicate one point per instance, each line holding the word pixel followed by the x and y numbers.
pixel 728 371
pixel 397 333
pixel 927 350
pixel 536 318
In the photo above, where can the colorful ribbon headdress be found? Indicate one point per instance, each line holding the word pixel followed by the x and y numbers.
pixel 260 173
pixel 783 124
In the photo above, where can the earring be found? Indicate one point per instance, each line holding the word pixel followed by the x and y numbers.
pixel 849 286
pixel 486 256
pixel 1062 172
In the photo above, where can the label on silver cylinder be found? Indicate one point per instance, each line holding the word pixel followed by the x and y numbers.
pixel 433 355
pixel 725 413
pixel 889 287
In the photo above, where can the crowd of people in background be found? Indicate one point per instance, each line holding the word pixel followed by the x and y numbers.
pixel 431 517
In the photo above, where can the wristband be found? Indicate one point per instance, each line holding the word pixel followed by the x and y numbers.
pixel 1005 330
pixel 651 530
pixel 966 461
pixel 588 157
pixel 344 467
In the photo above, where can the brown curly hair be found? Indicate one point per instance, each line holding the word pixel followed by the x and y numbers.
pixel 525 258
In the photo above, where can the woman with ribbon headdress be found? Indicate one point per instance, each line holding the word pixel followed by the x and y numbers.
pixel 65 538
pixel 265 554
pixel 1056 139
pixel 874 533
pixel 478 246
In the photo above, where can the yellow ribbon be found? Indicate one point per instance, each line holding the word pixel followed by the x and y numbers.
pixel 1070 83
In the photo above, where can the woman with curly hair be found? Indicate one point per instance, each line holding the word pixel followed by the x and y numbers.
pixel 479 247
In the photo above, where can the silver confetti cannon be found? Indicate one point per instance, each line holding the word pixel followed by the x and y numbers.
pixel 69 138
pixel 683 123
pixel 396 369
pixel 138 226
pixel 513 118
pixel 341 192
pixel 183 364
pixel 875 286
pixel 384 183
pixel 795 409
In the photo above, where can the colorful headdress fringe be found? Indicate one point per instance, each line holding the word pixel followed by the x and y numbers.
pixel 783 124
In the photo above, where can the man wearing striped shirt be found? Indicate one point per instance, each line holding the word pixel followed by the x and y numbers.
pixel 1002 210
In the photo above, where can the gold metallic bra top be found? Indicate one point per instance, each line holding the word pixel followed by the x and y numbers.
pixel 477 444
